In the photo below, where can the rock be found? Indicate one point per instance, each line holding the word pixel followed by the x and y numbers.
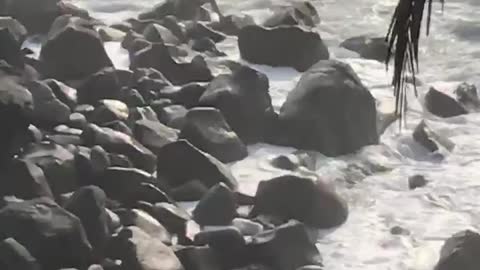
pixel 173 116
pixel 17 29
pixel 153 134
pixel 104 84
pixel 198 258
pixel 120 143
pixel 417 181
pixel 88 204
pixel 24 180
pixel 77 120
pixel 189 192
pixel 188 95
pixel 442 105
pixel 172 217
pixel 132 98
pixel 48 110
pixel 57 163
pixel 16 108
pixel 63 92
pixel 149 225
pixel 158 33
pixel 287 46
pixel 140 251
pixel 293 197
pixel 374 48
pixel 15 256
pixel 52 235
pixel 467 95
pixel 397 230
pixel 287 247
pixel 207 46
pixel 177 71
pixel 73 50
pixel 90 163
pixel 207 129
pixel 109 110
pixel 120 126
pixel 182 9
pixel 149 82
pixel 285 162
pixel 37 16
pixel 232 24
pixel 201 166
pixel 243 99
pixel 423 135
pixel 301 13
pixel 329 111
pixel 461 251
pixel 247 227
pixel 10 50
pixel 216 208
pixel 124 184
pixel 197 30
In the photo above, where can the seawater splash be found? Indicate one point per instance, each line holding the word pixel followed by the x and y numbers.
pixel 374 180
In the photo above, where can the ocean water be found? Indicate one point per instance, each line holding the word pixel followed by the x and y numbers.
pixel 374 180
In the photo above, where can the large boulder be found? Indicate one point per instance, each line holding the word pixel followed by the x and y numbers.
pixel 287 247
pixel 180 162
pixel 52 235
pixel 37 16
pixel 329 111
pixel 120 143
pixel 442 105
pixel 461 251
pixel 16 107
pixel 104 84
pixel 244 100
pixel 177 70
pixel 207 129
pixel 374 48
pixel 288 46
pixel 73 50
pixel 303 199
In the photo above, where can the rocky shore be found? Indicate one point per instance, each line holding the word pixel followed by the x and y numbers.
pixel 96 162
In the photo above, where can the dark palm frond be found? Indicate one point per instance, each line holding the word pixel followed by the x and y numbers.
pixel 403 40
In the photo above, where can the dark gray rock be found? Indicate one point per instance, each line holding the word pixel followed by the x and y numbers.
pixel 191 191
pixel 188 95
pixel 172 217
pixel 63 92
pixel 232 24
pixel 103 84
pixel 461 251
pixel 423 135
pixel 417 181
pixel 301 13
pixel 329 111
pixel 158 33
pixel 48 109
pixel 288 46
pixel 442 105
pixel 173 116
pixel 198 258
pixel 37 16
pixel 217 208
pixel 292 197
pixel 375 48
pixel 467 95
pixel 14 256
pixel 153 134
pixel 17 29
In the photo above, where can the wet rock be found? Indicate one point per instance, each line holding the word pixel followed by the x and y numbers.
pixel 132 97
pixel 63 92
pixel 301 13
pixel 73 49
pixel 119 160
pixel 15 256
pixel 423 135
pixel 109 110
pixel 16 107
pixel 287 46
pixel 176 70
pixel 182 9
pixel 243 99
pixel 10 48
pixel 189 192
pixel 146 223
pixel 24 180
pixel 90 163
pixel 232 24
pixel 287 247
pixel 172 217
pixel 153 134
pixel 173 158
pixel 173 115
pixel 158 33
pixel 442 105
pixel 207 129
pixel 120 143
pixel 207 46
pixel 188 95
pixel 197 30
pixel 293 197
pixel 285 162
pixel 108 34
pixel 198 258
pixel 217 207
pixel 37 16
pixel 461 251
pixel 397 230
pixel 467 95
pixel 17 29
pixel 329 111
pixel 119 126
pixel 88 204
pixel 247 227
pixel 374 48
pixel 48 110
pixel 138 250
pixel 52 235
pixel 57 163
pixel 417 181
pixel 104 84
pixel 77 120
